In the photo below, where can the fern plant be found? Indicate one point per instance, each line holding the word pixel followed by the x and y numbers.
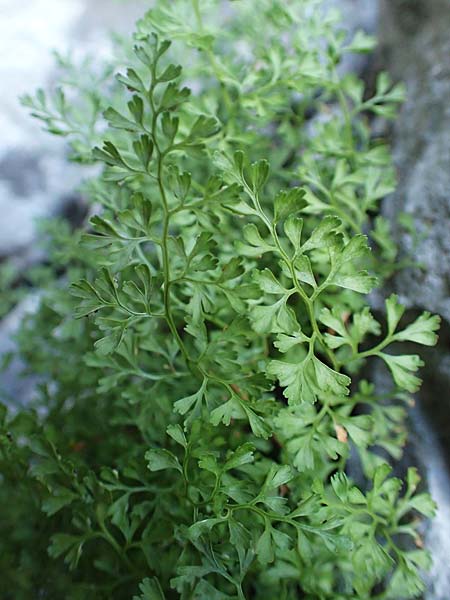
pixel 201 388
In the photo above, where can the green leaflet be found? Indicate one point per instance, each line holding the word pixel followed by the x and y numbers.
pixel 150 590
pixel 402 368
pixel 308 380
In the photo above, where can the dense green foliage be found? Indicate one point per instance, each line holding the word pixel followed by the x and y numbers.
pixel 192 425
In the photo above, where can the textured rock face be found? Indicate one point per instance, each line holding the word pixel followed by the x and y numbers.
pixel 35 179
pixel 416 48
pixel 357 14
pixel 415 45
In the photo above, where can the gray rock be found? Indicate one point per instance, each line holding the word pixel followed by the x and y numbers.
pixel 424 451
pixel 416 49
pixel 35 177
pixel 437 534
pixel 356 14
pixel 33 186
pixel 15 390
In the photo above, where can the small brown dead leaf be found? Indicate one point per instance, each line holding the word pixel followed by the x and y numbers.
pixel 341 433
pixel 284 491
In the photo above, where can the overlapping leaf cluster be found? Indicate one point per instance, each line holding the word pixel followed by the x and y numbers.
pixel 200 411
